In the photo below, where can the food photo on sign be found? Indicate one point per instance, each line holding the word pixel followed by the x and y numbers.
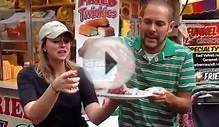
pixel 94 27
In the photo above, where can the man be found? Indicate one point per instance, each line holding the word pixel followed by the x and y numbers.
pixel 160 63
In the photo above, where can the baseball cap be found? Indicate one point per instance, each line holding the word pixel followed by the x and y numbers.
pixel 52 30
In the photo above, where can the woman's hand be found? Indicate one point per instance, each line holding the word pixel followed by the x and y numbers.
pixel 66 82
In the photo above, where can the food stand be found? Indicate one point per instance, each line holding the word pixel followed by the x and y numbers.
pixel 20 21
pixel 24 49
pixel 202 26
pixel 200 18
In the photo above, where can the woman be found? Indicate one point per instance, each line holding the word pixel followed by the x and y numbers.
pixel 53 91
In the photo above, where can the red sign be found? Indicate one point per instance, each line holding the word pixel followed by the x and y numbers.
pixel 11 113
pixel 204 42
pixel 202 34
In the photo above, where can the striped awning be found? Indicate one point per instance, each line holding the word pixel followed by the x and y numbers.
pixel 201 6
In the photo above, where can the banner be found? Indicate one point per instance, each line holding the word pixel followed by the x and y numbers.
pixel 207 75
pixel 204 42
pixel 201 6
pixel 94 19
pixel 11 113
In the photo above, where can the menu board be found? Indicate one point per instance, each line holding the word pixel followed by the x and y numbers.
pixel 204 42
pixel 94 19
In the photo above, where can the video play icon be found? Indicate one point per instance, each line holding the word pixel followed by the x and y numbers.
pixel 106 59
pixel 109 63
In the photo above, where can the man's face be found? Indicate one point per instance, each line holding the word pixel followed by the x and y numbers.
pixel 155 26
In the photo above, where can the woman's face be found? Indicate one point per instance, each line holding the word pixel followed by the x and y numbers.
pixel 58 48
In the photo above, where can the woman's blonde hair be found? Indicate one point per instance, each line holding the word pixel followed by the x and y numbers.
pixel 43 68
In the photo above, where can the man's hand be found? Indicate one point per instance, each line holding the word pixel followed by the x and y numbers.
pixel 181 102
pixel 159 95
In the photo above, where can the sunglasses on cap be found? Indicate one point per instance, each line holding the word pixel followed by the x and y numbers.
pixel 65 39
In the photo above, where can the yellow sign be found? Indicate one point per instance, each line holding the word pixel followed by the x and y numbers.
pixel 205 48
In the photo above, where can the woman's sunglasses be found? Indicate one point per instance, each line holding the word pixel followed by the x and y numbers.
pixel 64 39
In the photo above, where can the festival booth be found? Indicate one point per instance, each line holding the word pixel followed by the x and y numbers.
pixel 20 21
pixel 122 19
pixel 201 20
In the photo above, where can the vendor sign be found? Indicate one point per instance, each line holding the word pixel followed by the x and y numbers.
pixel 11 113
pixel 204 42
pixel 95 19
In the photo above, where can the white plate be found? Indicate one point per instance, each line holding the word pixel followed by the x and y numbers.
pixel 143 94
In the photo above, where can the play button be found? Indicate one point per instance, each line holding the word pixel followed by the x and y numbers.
pixel 107 60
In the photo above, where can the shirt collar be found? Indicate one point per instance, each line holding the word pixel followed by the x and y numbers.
pixel 168 50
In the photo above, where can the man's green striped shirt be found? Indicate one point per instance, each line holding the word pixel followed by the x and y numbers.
pixel 172 69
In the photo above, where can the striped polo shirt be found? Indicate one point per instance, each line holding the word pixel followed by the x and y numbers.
pixel 172 69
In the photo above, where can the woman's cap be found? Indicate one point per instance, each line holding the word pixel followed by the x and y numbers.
pixel 52 30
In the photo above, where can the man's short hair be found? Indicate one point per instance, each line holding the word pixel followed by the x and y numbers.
pixel 165 3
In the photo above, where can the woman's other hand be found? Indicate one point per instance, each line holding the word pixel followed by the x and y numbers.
pixel 67 82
